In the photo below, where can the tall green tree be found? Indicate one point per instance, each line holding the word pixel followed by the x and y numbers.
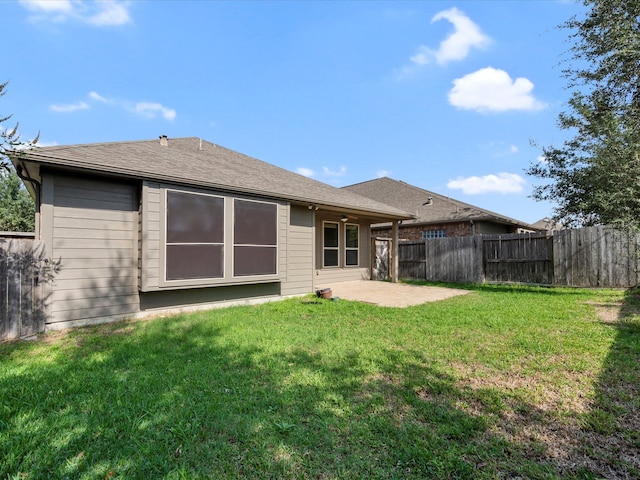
pixel 17 210
pixel 594 176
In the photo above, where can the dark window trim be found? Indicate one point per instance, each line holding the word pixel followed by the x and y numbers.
pixel 275 245
pixel 347 248
pixel 336 248
pixel 167 243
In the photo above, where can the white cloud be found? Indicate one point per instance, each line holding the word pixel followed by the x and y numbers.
pixel 383 173
pixel 456 46
pixel 151 110
pixel 98 97
pixel 307 172
pixel 500 183
pixel 70 107
pixel 467 35
pixel 60 6
pixel 334 173
pixel 422 56
pixel 513 149
pixel 145 109
pixel 99 13
pixel 110 14
pixel 492 90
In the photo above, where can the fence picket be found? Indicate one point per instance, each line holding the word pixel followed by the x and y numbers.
pixel 588 257
pixel 21 297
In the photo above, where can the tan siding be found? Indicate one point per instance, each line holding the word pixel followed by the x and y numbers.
pixel 299 253
pixel 150 245
pixel 283 210
pixel 98 287
pixel 327 276
pixel 80 272
pixel 92 241
pixel 94 232
pixel 116 308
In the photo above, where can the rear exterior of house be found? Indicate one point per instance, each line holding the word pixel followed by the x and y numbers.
pixel 148 227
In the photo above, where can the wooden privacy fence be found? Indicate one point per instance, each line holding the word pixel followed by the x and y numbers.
pixel 22 297
pixel 588 257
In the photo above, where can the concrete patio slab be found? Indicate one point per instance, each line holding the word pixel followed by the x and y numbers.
pixel 386 294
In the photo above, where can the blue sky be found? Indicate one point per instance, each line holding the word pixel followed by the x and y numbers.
pixel 443 95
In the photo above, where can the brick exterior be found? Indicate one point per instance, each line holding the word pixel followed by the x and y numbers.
pixel 414 232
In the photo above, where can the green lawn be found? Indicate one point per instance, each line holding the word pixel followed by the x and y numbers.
pixel 506 382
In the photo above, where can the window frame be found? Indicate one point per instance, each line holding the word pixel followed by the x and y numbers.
pixel 347 248
pixel 274 246
pixel 434 233
pixel 228 277
pixel 167 243
pixel 336 248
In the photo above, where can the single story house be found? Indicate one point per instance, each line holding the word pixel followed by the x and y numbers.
pixel 436 216
pixel 149 226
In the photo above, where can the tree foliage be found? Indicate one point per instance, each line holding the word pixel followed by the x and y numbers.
pixel 594 177
pixel 10 139
pixel 17 210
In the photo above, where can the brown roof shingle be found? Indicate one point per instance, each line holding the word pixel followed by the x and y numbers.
pixel 440 209
pixel 196 162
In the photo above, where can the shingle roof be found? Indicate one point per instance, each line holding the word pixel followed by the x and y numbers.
pixel 416 200
pixel 196 162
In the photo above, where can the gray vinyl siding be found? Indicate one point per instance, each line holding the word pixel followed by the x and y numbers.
pixel 299 252
pixel 193 298
pixel 150 241
pixel 93 229
pixel 328 276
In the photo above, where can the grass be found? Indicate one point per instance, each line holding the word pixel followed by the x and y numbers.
pixel 506 382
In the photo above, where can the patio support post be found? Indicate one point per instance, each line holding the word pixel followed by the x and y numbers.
pixel 394 251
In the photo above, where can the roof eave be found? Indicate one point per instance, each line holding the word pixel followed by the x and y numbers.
pixel 134 174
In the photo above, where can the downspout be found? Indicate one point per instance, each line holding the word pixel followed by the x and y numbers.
pixel 473 227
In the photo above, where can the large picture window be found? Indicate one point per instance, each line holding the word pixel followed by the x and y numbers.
pixel 351 234
pixel 330 244
pixel 195 236
pixel 255 238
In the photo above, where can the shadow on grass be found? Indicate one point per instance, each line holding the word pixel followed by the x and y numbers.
pixel 611 446
pixel 502 288
pixel 175 398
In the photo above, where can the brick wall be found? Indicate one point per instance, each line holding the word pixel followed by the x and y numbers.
pixel 414 232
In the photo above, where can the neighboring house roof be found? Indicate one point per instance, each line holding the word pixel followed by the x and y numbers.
pixel 428 207
pixel 195 162
pixel 548 224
